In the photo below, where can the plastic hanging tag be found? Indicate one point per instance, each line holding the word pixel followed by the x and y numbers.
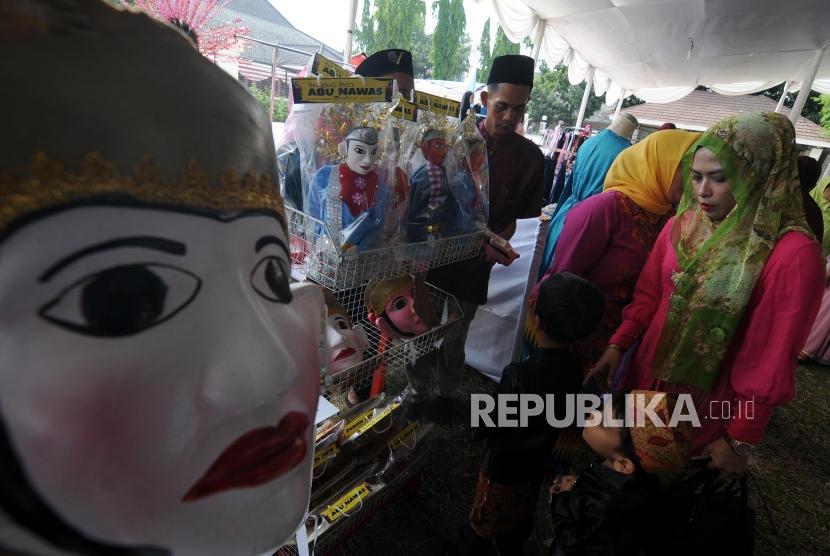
pixel 324 67
pixel 342 90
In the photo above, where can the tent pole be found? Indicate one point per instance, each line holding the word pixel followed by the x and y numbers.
pixel 783 96
pixel 537 40
pixel 273 83
pixel 619 105
pixel 801 99
pixel 589 83
pixel 352 15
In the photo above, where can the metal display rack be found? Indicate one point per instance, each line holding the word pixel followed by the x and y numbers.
pixel 317 256
pixel 324 537
pixel 398 352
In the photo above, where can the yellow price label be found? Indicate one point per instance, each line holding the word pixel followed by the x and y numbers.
pixel 437 105
pixel 345 503
pixel 406 436
pixel 344 90
pixel 323 456
pixel 406 110
pixel 357 422
pixel 376 419
pixel 327 68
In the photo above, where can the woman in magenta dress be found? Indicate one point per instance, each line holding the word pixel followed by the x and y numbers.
pixel 606 238
pixel 726 299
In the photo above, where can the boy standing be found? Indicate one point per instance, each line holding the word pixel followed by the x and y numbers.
pixel 568 309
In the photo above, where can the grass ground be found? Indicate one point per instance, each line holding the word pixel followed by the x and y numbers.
pixel 792 469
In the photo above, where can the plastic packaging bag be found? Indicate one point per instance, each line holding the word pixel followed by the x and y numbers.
pixel 289 162
pixel 468 202
pixel 345 190
pixel 448 174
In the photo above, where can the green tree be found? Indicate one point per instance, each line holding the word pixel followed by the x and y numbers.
pixel 502 45
pixel 553 96
pixel 421 49
pixel 364 34
pixel 396 24
pixel 824 116
pixel 263 95
pixel 631 100
pixel 812 108
pixel 450 45
pixel 485 56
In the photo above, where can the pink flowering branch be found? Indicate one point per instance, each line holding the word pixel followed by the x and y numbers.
pixel 218 42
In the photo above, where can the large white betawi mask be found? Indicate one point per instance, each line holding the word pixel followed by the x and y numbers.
pixel 159 375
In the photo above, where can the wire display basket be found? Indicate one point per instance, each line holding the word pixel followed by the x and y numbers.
pixel 324 537
pixel 391 357
pixel 317 256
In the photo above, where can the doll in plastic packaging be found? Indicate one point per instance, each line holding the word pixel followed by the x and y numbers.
pixel 159 374
pixel 348 196
pixel 467 208
pixel 398 183
pixel 428 190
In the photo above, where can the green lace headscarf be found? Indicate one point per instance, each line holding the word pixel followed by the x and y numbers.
pixel 720 262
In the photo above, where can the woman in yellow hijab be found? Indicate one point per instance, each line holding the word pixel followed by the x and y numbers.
pixel 607 238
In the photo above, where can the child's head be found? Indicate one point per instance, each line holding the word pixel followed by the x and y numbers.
pixel 568 308
pixel 639 443
pixel 614 443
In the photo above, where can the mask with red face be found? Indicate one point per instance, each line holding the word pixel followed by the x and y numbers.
pixel 435 149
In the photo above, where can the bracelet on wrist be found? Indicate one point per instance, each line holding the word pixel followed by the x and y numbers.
pixel 614 346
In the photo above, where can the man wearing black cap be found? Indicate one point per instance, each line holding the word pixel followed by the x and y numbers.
pixel 516 191
pixel 394 63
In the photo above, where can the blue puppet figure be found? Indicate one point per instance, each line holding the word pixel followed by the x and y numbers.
pixel 354 186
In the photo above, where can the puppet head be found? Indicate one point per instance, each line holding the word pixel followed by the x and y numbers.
pixel 434 146
pixel 150 342
pixel 391 307
pixel 360 149
pixel 346 342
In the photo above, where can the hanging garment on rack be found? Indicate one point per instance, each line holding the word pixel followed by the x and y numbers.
pixel 590 166
pixel 564 153
pixel 549 171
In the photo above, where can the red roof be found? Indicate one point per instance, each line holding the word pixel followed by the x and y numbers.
pixel 700 109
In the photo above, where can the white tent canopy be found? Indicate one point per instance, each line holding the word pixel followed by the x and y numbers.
pixel 660 50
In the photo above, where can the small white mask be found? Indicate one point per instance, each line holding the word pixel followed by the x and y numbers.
pixel 360 156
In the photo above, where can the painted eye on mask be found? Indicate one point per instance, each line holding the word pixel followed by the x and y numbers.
pixel 341 323
pixel 270 280
pixel 122 300
pixel 399 304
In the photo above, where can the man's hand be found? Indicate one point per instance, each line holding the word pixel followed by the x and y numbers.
pixel 606 367
pixel 497 248
pixel 492 253
pixel 724 458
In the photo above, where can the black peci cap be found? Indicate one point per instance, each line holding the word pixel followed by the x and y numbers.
pixel 386 61
pixel 512 68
